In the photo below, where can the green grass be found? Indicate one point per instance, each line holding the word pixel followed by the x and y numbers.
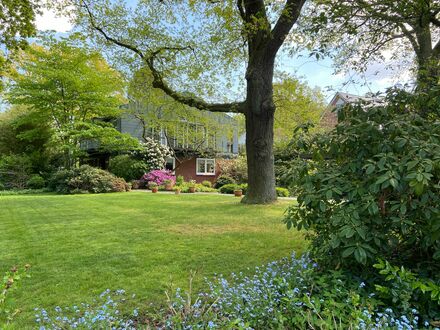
pixel 80 245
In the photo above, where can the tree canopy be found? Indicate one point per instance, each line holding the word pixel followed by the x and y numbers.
pixel 17 18
pixel 358 32
pixel 71 88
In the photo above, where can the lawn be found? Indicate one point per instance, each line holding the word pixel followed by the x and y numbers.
pixel 80 245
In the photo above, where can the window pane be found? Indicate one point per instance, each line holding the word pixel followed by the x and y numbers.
pixel 200 166
pixel 169 164
pixel 210 166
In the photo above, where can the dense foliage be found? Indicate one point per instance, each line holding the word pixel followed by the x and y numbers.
pixel 15 171
pixel 86 179
pixel 127 167
pixel 233 168
pixel 82 93
pixel 224 179
pixel 21 134
pixel 371 189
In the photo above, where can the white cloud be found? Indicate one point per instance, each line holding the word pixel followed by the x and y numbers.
pixel 49 20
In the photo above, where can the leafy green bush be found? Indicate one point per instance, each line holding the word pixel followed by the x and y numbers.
pixel 207 184
pixel 282 192
pixel 180 180
pixel 15 171
pixel 223 180
pixel 86 179
pixel 36 182
pixel 128 168
pixel 184 187
pixel 404 290
pixel 372 189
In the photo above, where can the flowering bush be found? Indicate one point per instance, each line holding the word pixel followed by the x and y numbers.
pixel 153 154
pixel 288 294
pixel 158 177
pixel 103 314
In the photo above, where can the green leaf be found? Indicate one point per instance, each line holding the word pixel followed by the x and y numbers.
pixel 347 252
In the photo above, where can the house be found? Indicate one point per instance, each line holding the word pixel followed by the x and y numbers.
pixel 329 118
pixel 194 158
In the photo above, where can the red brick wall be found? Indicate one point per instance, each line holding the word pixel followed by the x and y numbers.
pixel 187 168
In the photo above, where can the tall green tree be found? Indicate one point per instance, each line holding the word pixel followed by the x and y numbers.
pixel 191 46
pixel 297 104
pixel 72 89
pixel 358 32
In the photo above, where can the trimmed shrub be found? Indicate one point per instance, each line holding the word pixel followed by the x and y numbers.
pixel 229 188
pixel 126 167
pixel 36 182
pixel 86 179
pixel 282 192
pixel 224 180
pixel 207 184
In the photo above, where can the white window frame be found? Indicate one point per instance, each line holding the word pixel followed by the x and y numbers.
pixel 206 173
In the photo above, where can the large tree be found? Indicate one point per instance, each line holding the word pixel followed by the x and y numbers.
pixel 187 131
pixel 358 32
pixel 189 44
pixel 73 90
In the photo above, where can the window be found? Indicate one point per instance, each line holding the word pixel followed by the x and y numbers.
pixel 170 165
pixel 205 166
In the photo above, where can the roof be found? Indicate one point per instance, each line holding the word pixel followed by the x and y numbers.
pixel 352 98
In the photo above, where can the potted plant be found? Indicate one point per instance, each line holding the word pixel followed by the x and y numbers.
pixel 153 186
pixel 238 192
pixel 168 184
pixel 192 186
pixel 177 190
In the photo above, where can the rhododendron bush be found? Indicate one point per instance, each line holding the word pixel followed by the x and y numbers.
pixel 153 154
pixel 158 176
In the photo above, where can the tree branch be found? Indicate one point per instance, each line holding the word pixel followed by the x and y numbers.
pixel 241 9
pixel 158 81
pixel 287 19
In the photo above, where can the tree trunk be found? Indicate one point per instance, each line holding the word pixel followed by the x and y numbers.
pixel 259 115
